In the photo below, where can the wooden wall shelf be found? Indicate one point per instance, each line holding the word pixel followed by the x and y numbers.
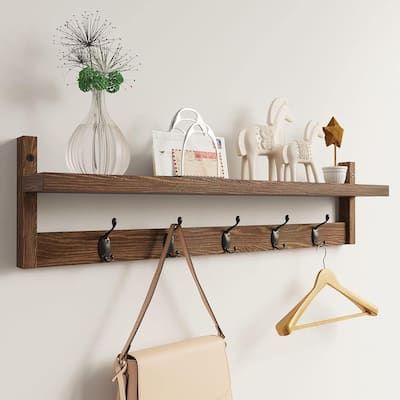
pixel 71 248
pixel 78 183
pixel 36 249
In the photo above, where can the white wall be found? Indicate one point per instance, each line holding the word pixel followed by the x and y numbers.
pixel 61 327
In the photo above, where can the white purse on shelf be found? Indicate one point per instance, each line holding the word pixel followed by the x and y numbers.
pixel 189 147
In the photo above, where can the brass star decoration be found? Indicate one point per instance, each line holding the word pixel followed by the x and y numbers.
pixel 333 133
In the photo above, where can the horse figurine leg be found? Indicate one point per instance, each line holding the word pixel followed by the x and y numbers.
pixel 279 164
pixel 314 171
pixel 279 172
pixel 293 171
pixel 286 172
pixel 306 167
pixel 251 164
pixel 245 168
pixel 271 167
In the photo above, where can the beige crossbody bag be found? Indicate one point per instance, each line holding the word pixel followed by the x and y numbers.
pixel 193 369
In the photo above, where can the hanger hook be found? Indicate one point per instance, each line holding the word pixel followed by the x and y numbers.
pixel 226 238
pixel 114 224
pixel 104 243
pixel 179 222
pixel 324 246
pixel 172 251
pixel 323 223
pixel 275 234
pixel 315 233
pixel 281 225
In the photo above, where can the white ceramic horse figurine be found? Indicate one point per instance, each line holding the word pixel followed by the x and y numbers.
pixel 300 152
pixel 265 140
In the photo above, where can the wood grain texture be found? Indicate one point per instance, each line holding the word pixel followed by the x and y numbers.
pixel 347 205
pixel 79 183
pixel 70 248
pixel 26 203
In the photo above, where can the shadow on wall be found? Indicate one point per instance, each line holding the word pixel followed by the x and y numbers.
pixel 96 384
pixel 141 161
pixel 27 86
pixel 24 90
pixel 92 381
pixel 8 209
pixel 242 120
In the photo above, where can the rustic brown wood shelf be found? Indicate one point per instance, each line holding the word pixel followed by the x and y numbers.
pixel 35 249
pixel 79 183
pixel 71 248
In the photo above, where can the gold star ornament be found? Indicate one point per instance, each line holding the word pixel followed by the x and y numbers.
pixel 333 133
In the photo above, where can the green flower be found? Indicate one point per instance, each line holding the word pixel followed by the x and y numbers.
pixel 85 79
pixel 114 81
pixel 90 79
pixel 99 81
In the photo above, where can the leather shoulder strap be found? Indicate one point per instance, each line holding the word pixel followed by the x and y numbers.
pixel 173 229
pixel 197 282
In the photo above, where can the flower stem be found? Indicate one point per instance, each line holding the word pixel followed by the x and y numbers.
pixel 334 155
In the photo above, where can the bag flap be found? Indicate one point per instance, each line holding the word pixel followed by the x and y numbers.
pixel 194 369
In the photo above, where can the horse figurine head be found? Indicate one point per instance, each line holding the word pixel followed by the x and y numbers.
pixel 279 110
pixel 277 114
pixel 312 128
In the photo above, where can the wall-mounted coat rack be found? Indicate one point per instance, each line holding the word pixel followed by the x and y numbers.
pixel 35 249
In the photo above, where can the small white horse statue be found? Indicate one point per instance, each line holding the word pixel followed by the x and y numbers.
pixel 300 152
pixel 265 140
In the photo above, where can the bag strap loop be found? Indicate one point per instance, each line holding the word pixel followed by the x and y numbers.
pixel 174 228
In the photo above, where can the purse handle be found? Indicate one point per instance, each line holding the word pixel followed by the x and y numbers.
pixel 153 285
pixel 207 131
pixel 197 125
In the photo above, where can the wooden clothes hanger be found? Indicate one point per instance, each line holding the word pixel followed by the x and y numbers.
pixel 325 277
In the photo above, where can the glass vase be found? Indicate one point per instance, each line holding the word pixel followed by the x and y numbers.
pixel 97 145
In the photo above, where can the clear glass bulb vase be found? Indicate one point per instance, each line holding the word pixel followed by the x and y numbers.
pixel 97 145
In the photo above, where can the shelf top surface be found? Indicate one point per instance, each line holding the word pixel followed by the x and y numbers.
pixel 79 183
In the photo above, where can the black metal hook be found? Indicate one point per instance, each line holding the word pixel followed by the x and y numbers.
pixel 226 238
pixel 275 235
pixel 315 233
pixel 172 251
pixel 179 222
pixel 104 244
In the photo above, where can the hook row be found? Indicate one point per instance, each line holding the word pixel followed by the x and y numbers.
pixel 105 251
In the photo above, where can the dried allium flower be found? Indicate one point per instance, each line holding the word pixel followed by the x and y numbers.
pixel 88 44
pixel 89 31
